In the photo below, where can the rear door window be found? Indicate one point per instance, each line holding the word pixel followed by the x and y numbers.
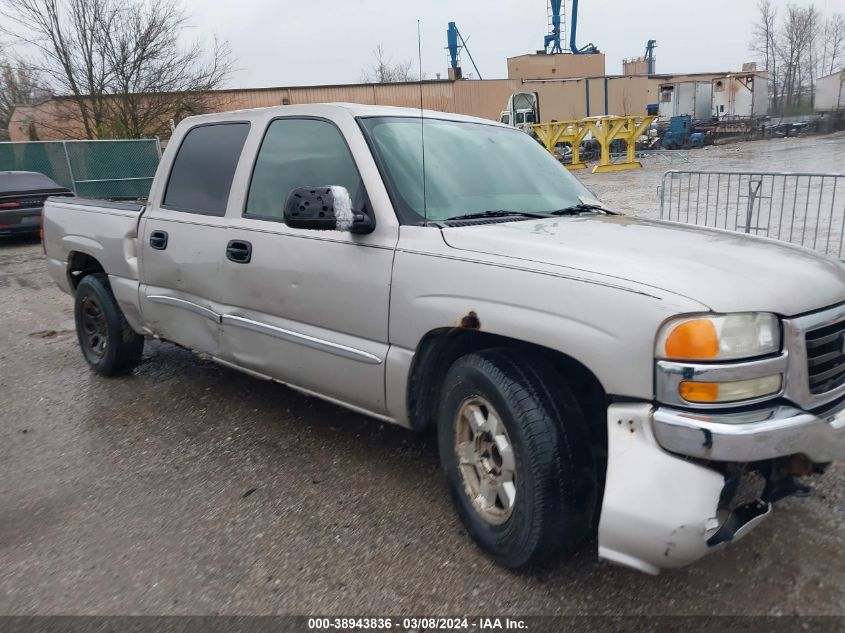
pixel 202 172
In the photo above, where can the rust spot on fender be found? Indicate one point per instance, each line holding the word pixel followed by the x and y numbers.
pixel 470 321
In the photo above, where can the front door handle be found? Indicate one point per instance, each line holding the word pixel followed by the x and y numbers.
pixel 239 251
pixel 158 240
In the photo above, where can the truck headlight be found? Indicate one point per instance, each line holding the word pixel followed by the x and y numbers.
pixel 719 337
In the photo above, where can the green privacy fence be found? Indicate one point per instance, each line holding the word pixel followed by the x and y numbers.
pixel 92 169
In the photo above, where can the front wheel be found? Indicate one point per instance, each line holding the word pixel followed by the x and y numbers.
pixel 108 343
pixel 514 445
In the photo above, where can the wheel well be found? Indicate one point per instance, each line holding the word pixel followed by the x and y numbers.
pixel 79 265
pixel 440 348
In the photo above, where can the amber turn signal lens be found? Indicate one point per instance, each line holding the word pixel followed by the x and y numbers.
pixel 735 391
pixel 700 391
pixel 696 339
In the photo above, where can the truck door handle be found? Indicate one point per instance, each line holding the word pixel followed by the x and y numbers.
pixel 158 240
pixel 239 251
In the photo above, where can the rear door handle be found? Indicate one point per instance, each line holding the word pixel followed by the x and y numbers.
pixel 239 251
pixel 158 240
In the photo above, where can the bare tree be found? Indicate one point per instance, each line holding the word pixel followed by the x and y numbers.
pixel 812 59
pixel 764 44
pixel 153 78
pixel 384 71
pixel 19 85
pixel 70 57
pixel 120 61
pixel 833 44
pixel 796 46
pixel 627 102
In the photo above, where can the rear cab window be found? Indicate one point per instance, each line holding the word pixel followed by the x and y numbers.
pixel 201 176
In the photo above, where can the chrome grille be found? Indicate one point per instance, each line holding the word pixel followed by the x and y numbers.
pixel 826 357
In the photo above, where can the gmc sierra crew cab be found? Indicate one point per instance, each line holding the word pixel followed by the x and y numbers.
pixel 586 371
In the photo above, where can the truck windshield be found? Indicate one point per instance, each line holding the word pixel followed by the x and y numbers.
pixel 469 168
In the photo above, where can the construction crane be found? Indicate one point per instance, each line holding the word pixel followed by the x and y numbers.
pixel 589 48
pixel 552 41
pixel 455 42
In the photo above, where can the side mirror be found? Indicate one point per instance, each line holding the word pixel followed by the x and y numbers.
pixel 325 209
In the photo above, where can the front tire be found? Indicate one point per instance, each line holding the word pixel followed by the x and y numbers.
pixel 108 343
pixel 514 445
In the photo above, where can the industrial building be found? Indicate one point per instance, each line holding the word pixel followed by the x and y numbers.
pixel 560 99
pixel 569 83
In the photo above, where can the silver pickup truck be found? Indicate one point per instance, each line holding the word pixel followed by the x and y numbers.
pixel 585 371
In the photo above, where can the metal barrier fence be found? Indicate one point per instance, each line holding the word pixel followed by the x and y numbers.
pixel 807 209
pixel 121 169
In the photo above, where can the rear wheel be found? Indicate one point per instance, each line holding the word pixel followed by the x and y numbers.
pixel 513 442
pixel 108 343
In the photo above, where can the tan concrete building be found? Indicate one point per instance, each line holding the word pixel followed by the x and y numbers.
pixel 557 66
pixel 57 118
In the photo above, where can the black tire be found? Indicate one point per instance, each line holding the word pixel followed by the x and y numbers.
pixel 554 478
pixel 109 345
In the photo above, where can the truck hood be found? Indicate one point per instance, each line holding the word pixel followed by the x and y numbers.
pixel 728 272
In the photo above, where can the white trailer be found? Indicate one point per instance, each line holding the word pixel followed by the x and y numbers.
pixel 685 97
pixel 740 96
pixel 830 92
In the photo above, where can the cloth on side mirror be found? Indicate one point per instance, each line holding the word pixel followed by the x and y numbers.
pixel 342 208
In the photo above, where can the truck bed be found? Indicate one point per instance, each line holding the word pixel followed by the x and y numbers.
pixel 103 229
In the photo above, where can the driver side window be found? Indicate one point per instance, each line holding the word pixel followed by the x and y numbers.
pixel 298 153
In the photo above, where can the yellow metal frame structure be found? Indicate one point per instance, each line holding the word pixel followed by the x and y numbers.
pixel 605 130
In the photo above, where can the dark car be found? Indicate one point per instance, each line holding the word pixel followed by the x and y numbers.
pixel 22 195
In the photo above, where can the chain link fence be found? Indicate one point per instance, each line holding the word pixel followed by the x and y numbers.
pixel 807 209
pixel 120 169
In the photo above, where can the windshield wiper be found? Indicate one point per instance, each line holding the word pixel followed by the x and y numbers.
pixel 583 207
pixel 498 214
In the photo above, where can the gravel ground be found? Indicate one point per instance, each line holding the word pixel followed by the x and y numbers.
pixel 186 488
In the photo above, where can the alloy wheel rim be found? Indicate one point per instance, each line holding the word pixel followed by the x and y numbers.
pixel 486 460
pixel 94 327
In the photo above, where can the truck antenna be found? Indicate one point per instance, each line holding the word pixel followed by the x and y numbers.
pixel 422 122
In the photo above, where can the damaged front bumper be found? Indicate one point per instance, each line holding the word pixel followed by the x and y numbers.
pixel 749 437
pixel 661 509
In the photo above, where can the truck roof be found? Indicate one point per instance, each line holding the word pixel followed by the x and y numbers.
pixel 327 109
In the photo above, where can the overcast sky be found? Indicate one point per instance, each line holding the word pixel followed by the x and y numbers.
pixel 301 42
